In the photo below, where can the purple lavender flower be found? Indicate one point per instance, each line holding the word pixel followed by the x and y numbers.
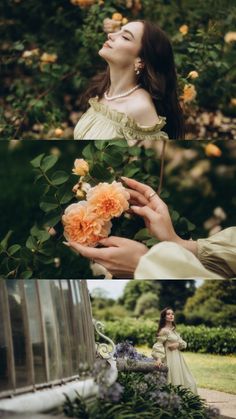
pixel 112 393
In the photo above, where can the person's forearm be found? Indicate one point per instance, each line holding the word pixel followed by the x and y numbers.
pixel 190 245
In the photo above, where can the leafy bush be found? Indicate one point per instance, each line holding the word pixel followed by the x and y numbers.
pixel 215 340
pixel 43 77
pixel 142 398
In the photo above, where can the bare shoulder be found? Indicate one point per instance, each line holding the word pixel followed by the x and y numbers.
pixel 141 108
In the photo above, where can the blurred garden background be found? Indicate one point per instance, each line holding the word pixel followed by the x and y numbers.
pixel 49 52
pixel 37 184
pixel 205 316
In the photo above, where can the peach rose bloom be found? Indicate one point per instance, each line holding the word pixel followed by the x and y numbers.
pixel 81 167
pixel 82 226
pixel 108 200
pixel 189 93
pixel 213 150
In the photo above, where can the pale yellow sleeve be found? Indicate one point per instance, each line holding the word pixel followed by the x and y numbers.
pixel 218 252
pixel 168 260
pixel 182 344
pixel 158 349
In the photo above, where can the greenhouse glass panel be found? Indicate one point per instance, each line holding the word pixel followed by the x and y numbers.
pixel 35 330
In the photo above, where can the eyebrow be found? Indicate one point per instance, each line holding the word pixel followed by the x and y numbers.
pixel 126 30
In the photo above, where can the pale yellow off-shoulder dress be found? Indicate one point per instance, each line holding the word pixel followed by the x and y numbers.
pixel 216 259
pixel 100 122
pixel 178 371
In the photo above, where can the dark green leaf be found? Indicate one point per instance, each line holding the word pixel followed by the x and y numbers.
pixel 59 177
pixel 37 161
pixel 48 162
pixel 14 249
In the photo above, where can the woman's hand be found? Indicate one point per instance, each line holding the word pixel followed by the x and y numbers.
pixel 146 203
pixel 158 363
pixel 119 256
pixel 173 346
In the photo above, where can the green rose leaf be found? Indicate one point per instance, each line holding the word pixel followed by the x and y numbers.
pixel 48 162
pixel 14 249
pixel 27 274
pixel 37 161
pixel 88 152
pixel 142 234
pixel 59 177
pixel 112 157
pixel 4 242
pixel 31 243
pixel 47 206
pixel 101 173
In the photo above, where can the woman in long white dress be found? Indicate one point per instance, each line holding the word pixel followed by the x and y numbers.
pixel 167 350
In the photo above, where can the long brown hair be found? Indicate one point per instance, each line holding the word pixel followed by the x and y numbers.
pixel 162 321
pixel 158 77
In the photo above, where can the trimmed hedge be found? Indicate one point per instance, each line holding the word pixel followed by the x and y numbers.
pixel 215 340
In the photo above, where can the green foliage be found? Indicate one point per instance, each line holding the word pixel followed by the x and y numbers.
pixel 215 340
pixel 146 302
pixel 38 96
pixel 135 403
pixel 42 254
pixel 213 303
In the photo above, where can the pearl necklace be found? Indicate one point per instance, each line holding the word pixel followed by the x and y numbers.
pixel 122 94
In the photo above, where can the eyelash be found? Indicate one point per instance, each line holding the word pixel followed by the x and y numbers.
pixel 125 37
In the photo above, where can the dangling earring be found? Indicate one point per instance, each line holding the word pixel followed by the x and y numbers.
pixel 136 70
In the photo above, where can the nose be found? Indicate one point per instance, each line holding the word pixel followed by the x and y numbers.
pixel 110 36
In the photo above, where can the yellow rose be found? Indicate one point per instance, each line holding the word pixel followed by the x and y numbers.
pixel 117 16
pixel 189 93
pixel 192 74
pixel 81 167
pixel 183 29
pixel 213 150
pixel 48 58
pixel 230 37
pixel 58 132
pixel 233 101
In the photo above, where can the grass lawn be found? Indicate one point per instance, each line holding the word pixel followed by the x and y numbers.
pixel 214 372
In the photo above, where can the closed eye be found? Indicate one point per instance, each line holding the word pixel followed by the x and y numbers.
pixel 125 38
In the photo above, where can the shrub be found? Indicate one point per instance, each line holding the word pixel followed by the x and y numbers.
pixel 203 339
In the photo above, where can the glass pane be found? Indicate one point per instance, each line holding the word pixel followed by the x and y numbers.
pixel 50 326
pixel 80 343
pixel 35 330
pixel 5 382
pixel 62 328
pixel 66 296
pixel 18 332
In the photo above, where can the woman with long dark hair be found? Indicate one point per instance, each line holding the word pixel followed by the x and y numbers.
pixel 136 96
pixel 167 350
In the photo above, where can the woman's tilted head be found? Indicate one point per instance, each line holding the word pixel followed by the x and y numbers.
pixel 122 48
pixel 142 47
pixel 167 315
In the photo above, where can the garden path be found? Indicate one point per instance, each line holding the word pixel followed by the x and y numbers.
pixel 224 401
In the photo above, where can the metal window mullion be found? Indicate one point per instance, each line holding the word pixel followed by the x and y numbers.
pixel 88 313
pixel 75 335
pixel 76 328
pixel 68 338
pixel 43 330
pixel 58 351
pixel 8 335
pixel 71 308
pixel 29 349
